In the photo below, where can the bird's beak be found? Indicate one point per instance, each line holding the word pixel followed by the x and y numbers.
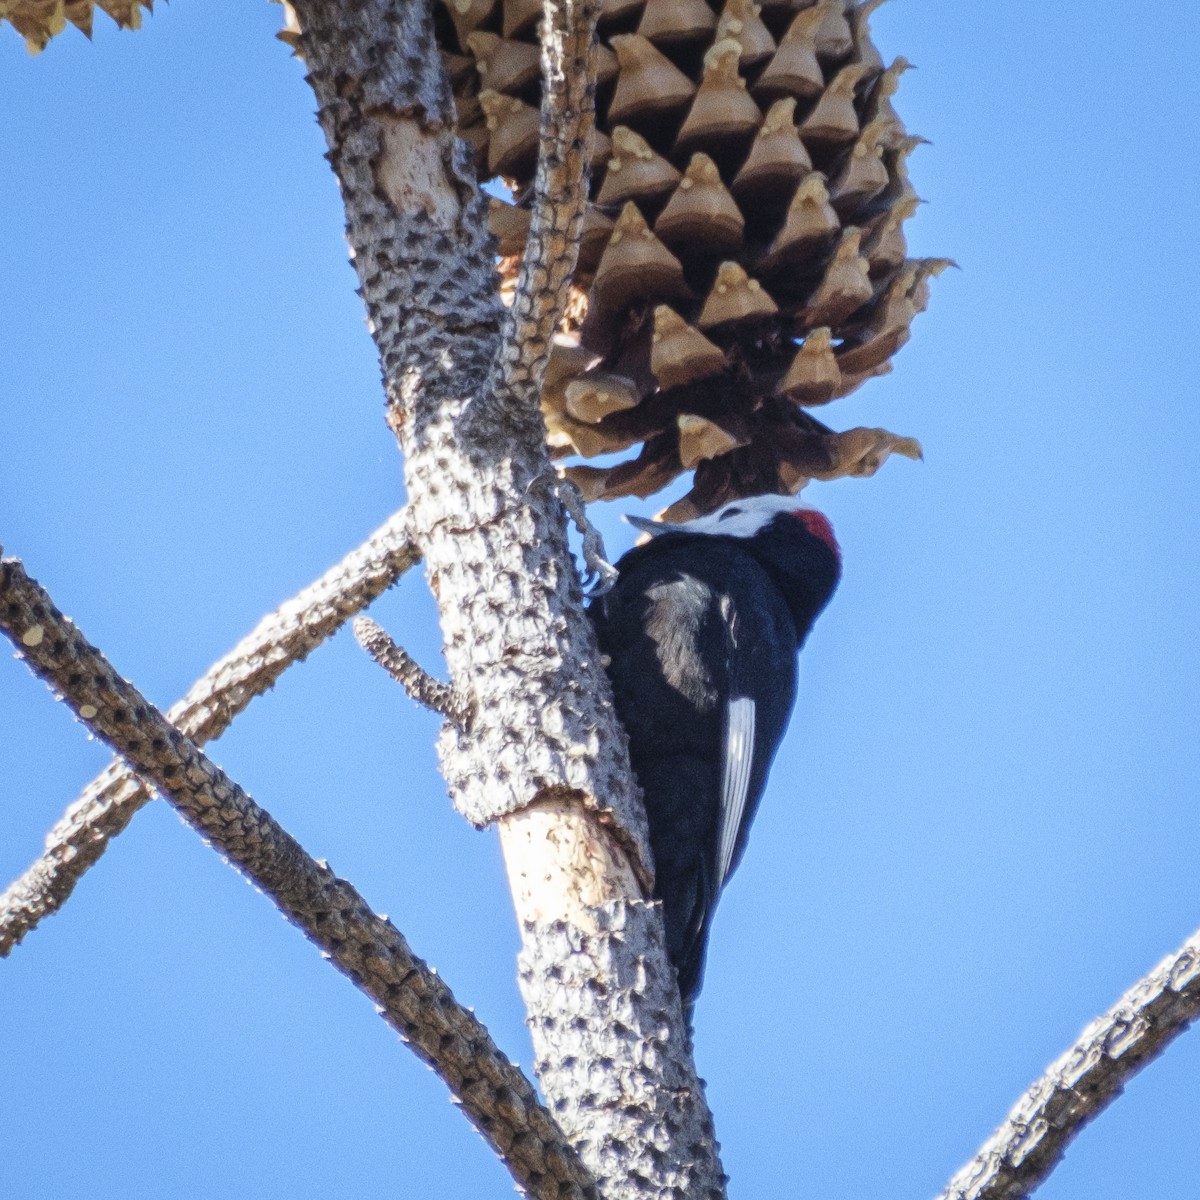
pixel 653 528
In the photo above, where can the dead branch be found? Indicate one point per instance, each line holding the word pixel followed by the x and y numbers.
pixel 286 636
pixel 545 758
pixel 430 693
pixel 560 198
pixel 1077 1087
pixel 368 949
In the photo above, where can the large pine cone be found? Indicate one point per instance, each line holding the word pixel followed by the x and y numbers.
pixel 37 21
pixel 743 257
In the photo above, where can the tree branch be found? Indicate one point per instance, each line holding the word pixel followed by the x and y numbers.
pixel 286 636
pixel 368 949
pixel 594 972
pixel 409 674
pixel 545 758
pixel 600 574
pixel 496 556
pixel 560 198
pixel 1077 1087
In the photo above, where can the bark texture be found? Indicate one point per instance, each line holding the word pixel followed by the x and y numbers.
pixel 408 673
pixel 1078 1086
pixel 462 399
pixel 286 636
pixel 365 947
pixel 604 1019
pixel 495 548
pixel 548 263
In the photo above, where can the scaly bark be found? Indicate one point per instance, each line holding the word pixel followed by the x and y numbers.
pixel 1078 1086
pixel 286 636
pixel 366 948
pixel 545 756
pixel 431 693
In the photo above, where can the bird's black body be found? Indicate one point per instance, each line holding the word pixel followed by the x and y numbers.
pixel 701 632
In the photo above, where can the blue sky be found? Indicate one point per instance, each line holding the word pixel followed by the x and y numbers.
pixel 983 824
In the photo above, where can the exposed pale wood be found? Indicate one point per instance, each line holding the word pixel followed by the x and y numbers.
pixel 562 865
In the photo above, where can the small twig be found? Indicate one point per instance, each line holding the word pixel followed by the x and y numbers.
pixel 1082 1083
pixel 253 666
pixel 409 674
pixel 595 558
pixel 560 200
pixel 368 949
pixel 600 574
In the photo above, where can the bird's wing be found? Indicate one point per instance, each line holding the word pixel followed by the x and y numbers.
pixel 737 757
pixel 737 750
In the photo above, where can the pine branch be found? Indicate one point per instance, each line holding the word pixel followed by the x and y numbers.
pixel 431 693
pixel 560 198
pixel 496 557
pixel 594 972
pixel 284 637
pixel 545 758
pixel 1077 1087
pixel 368 949
pixel 600 574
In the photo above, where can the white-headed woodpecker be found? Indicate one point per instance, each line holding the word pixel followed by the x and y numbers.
pixel 701 632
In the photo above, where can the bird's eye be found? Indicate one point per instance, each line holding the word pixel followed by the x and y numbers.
pixel 729 512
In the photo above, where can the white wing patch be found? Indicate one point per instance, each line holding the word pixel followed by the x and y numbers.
pixel 735 778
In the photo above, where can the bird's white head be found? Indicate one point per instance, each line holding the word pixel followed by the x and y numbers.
pixel 746 517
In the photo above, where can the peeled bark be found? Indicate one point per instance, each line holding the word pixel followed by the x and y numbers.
pixel 605 1017
pixel 543 754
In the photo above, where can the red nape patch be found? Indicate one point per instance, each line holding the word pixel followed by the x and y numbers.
pixel 817 523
